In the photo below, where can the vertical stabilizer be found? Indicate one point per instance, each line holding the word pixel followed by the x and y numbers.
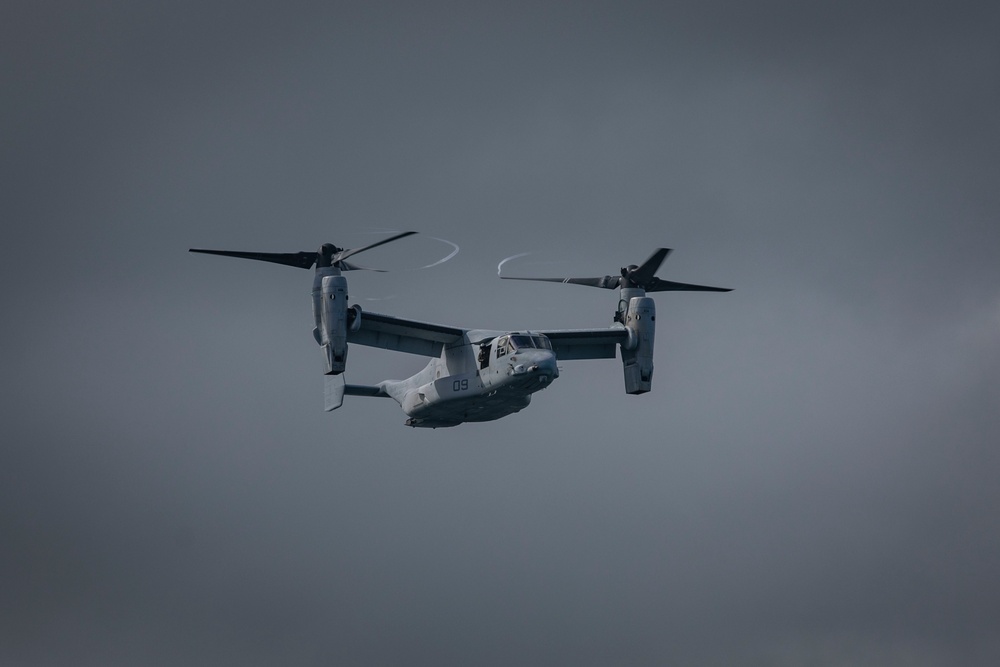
pixel 333 390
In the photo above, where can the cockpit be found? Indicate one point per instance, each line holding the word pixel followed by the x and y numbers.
pixel 532 341
pixel 512 343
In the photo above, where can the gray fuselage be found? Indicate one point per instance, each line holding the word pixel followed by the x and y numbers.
pixel 476 381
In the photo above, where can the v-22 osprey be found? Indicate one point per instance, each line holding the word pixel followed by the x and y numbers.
pixel 474 375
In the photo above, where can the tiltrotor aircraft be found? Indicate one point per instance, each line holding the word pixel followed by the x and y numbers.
pixel 474 375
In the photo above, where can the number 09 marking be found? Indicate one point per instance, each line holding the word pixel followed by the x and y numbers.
pixel 459 385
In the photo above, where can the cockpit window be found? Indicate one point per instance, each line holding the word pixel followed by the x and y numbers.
pixel 521 342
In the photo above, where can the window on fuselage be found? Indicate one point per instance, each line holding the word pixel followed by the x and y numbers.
pixel 502 347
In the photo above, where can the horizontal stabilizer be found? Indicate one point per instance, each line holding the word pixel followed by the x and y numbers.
pixel 335 389
pixel 364 390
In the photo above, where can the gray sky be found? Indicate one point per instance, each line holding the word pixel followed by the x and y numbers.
pixel 812 480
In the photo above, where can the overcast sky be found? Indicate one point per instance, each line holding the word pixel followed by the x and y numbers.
pixel 813 479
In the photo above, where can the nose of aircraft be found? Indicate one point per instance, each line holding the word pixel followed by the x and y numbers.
pixel 542 364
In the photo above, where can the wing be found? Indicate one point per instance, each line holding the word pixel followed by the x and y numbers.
pixel 586 343
pixel 395 333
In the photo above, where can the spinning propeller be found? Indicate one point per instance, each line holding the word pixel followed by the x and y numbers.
pixel 635 276
pixel 327 255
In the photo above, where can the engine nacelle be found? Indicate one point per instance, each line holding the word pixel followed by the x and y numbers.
pixel 637 355
pixel 332 325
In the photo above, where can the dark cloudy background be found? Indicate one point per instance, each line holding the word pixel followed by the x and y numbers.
pixel 813 479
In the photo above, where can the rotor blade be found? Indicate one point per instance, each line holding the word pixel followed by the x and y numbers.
pixel 657 285
pixel 302 260
pixel 347 266
pixel 354 251
pixel 648 269
pixel 607 282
